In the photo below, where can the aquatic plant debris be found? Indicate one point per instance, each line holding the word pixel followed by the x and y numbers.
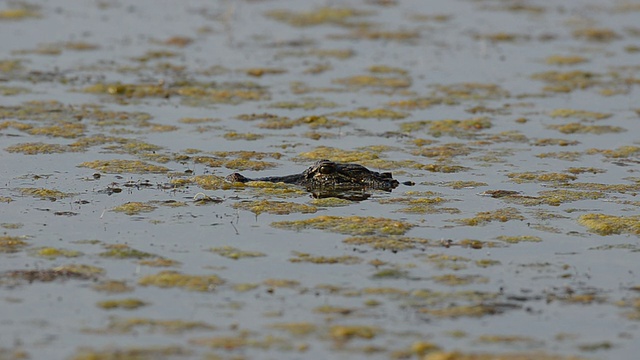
pixel 510 126
pixel 352 225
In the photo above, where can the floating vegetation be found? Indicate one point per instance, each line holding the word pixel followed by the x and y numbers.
pixel 562 155
pixel 621 152
pixel 457 311
pixel 45 194
pixel 113 287
pixel 324 152
pixel 502 37
pixel 170 279
pixel 563 82
pixel 52 253
pixel 352 225
pixel 610 224
pixel 578 128
pixel 445 151
pixel 65 272
pixel 35 148
pixel 580 114
pixel 274 207
pixel 538 177
pixel 372 114
pixel 391 243
pixel 258 72
pixel 330 202
pixel 308 258
pixel 239 136
pixel 304 104
pixel 127 304
pixel 596 34
pixel 458 280
pixel 124 166
pixel 371 81
pixel 484 217
pixel 449 127
pixel 12 244
pixel 235 253
pixel 367 33
pixel 320 16
pixel 65 130
pixel 134 208
pixel 128 325
pixel 133 352
pixel 565 60
pixel 192 93
pixel 446 261
pixel 22 12
pixel 123 251
pixel 519 238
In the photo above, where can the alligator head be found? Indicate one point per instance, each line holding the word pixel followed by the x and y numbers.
pixel 327 178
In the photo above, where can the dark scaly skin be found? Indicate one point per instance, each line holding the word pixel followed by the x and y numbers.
pixel 331 176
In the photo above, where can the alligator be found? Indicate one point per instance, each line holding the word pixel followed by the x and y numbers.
pixel 326 178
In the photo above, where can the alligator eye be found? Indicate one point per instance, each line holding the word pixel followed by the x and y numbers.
pixel 326 169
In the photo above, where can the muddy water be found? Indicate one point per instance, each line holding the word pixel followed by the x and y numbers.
pixel 517 122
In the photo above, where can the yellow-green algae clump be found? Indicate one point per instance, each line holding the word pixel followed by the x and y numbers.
pixel 45 193
pixel 609 224
pixel 170 279
pixel 118 325
pixel 127 304
pixel 235 253
pixel 274 207
pixel 320 16
pixel 352 225
pixel 391 243
pixel 124 166
pixel 11 244
pixel 308 258
pixel 134 208
pixel 484 217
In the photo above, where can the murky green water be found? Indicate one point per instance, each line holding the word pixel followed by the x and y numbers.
pixel 517 122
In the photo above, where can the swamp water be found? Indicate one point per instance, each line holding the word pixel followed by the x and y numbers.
pixel 517 121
